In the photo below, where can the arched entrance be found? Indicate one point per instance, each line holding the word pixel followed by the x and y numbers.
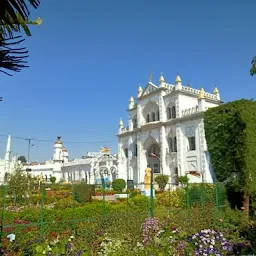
pixel 154 162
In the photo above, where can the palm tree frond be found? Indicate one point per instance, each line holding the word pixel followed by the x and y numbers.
pixel 11 58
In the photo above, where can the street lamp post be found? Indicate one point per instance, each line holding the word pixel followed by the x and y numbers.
pixel 160 162
pixel 29 146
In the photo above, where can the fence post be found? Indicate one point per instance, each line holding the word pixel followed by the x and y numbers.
pixel 216 196
pixel 187 201
pixel 73 206
pixel 151 196
pixel 169 197
pixel 42 211
pixel 103 202
pixel 2 217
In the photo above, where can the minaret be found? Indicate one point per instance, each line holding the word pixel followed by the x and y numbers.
pixel 216 93
pixel 140 90
pixel 161 81
pixel 121 125
pixel 201 100
pixel 57 153
pixel 131 103
pixel 7 154
pixel 178 85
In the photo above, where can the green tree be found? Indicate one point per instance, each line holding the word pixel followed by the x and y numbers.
pixel 22 159
pixel 230 133
pixel 253 68
pixel 19 183
pixel 162 181
pixel 14 16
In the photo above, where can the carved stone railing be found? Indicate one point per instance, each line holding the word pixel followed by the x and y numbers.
pixel 190 111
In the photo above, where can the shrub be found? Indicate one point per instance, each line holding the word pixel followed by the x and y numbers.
pixel 118 184
pixel 183 180
pixel 53 179
pixel 141 202
pixel 82 192
pixel 172 199
pixel 162 180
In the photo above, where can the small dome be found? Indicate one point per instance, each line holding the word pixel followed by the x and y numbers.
pixel 216 90
pixel 201 94
pixel 178 79
pixel 64 150
pixel 161 79
pixel 131 99
pixel 140 89
pixel 58 140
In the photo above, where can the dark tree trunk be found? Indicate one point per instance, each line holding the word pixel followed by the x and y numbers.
pixel 246 204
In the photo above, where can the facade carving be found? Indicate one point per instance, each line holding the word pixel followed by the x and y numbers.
pixel 169 133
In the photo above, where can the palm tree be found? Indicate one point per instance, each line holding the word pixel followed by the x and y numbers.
pixel 14 16
pixel 253 69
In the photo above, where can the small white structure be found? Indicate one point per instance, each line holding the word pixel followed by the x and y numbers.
pixel 92 168
pixel 165 131
pixel 8 164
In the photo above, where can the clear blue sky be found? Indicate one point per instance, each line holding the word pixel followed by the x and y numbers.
pixel 88 57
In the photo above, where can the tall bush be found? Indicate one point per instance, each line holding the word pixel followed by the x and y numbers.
pixel 230 131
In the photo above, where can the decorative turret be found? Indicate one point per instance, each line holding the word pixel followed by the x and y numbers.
pixel 121 126
pixel 140 90
pixel 150 77
pixel 216 93
pixel 161 81
pixel 64 155
pixel 7 155
pixel 178 85
pixel 57 152
pixel 201 94
pixel 131 103
pixel 201 100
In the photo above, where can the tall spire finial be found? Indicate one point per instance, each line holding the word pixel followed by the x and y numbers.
pixel 161 79
pixel 150 77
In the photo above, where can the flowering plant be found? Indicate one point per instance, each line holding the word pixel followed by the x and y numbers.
pixel 150 229
pixel 210 242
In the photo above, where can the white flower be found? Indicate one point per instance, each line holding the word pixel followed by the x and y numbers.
pixel 72 237
pixel 49 248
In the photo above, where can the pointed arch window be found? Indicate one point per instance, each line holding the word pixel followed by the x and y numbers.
pixel 153 117
pixel 135 150
pixel 172 143
pixel 134 122
pixel 169 113
pixel 157 115
pixel 173 112
pixel 148 118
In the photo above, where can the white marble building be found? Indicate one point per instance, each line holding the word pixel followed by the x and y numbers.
pixel 166 120
pixel 91 168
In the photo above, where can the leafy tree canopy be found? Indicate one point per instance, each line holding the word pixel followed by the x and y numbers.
pixel 253 68
pixel 22 159
pixel 230 131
